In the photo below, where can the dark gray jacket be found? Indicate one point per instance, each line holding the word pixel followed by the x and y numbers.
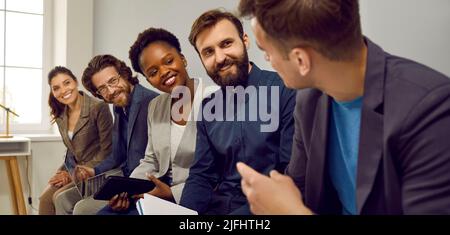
pixel 404 154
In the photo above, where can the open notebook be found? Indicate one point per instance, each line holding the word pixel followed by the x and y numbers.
pixel 151 205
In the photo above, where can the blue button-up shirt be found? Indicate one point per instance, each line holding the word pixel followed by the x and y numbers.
pixel 213 185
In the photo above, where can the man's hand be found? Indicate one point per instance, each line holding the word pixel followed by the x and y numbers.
pixel 161 189
pixel 60 179
pixel 84 172
pixel 277 195
pixel 120 202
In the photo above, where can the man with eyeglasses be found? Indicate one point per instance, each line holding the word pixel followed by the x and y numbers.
pixel 111 80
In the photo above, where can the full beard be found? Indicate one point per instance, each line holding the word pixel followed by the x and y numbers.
pixel 123 96
pixel 238 79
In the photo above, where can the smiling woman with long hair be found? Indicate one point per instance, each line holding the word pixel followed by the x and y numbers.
pixel 85 125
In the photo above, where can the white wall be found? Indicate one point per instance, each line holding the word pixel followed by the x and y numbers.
pixel 72 46
pixel 410 28
pixel 117 24
pixel 416 29
pixel 47 155
pixel 73 34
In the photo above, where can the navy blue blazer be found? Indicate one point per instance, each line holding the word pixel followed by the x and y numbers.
pixel 136 136
pixel 404 154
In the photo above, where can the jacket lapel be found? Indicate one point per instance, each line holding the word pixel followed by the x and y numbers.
pixel 188 139
pixel 318 145
pixel 371 131
pixel 84 115
pixel 62 123
pixel 134 112
pixel 162 127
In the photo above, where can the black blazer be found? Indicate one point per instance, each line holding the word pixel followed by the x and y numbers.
pixel 404 155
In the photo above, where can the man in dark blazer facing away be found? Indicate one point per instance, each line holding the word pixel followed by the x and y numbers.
pixel 370 128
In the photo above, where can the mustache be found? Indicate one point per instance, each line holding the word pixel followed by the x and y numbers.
pixel 225 63
pixel 116 93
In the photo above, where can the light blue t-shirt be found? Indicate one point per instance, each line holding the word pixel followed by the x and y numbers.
pixel 342 153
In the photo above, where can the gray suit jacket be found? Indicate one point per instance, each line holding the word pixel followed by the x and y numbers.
pixel 91 142
pixel 157 154
pixel 404 154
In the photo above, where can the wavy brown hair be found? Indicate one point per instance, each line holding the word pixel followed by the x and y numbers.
pixel 100 62
pixel 56 108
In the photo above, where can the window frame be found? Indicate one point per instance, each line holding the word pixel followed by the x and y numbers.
pixel 44 127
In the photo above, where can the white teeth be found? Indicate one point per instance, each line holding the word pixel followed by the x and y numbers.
pixel 170 81
pixel 226 67
pixel 67 96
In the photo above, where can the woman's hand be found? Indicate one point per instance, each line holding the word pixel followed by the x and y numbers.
pixel 161 189
pixel 60 179
pixel 120 202
pixel 84 172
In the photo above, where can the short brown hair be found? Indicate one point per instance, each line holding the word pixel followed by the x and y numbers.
pixel 100 62
pixel 331 27
pixel 211 18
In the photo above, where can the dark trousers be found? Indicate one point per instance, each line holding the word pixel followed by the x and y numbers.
pixel 107 210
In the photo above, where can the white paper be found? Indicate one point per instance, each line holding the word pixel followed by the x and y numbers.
pixel 151 205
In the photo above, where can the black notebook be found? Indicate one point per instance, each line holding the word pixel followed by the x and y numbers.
pixel 114 185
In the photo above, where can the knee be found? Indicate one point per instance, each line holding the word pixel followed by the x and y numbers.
pixel 88 206
pixel 106 210
pixel 47 195
pixel 83 208
pixel 56 199
pixel 78 209
pixel 46 206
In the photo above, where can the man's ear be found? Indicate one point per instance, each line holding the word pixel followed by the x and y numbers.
pixel 246 41
pixel 302 58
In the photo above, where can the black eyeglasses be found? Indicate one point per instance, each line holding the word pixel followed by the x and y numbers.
pixel 112 82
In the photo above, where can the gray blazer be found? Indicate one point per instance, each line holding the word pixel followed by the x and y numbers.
pixel 157 154
pixel 91 142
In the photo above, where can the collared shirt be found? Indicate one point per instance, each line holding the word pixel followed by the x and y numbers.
pixel 213 185
pixel 123 114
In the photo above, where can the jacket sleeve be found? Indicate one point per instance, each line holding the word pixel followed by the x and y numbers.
pixel 203 174
pixel 286 127
pixel 149 164
pixel 177 191
pixel 424 155
pixel 104 127
pixel 297 166
pixel 117 156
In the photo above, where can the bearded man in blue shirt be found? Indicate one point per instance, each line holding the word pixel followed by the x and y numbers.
pixel 229 131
